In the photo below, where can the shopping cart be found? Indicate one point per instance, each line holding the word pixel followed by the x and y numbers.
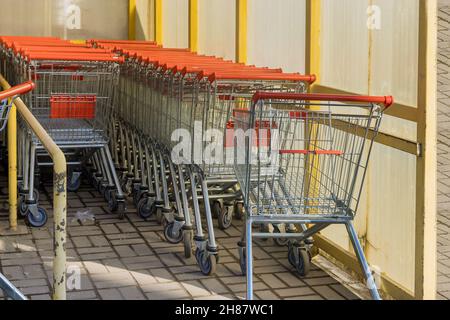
pixel 302 165
pixel 73 104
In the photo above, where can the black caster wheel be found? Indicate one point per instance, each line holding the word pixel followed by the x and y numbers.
pixel 207 262
pixel 216 209
pixel 39 220
pixel 281 242
pixel 73 184
pixel 239 210
pixel 159 215
pixel 22 206
pixel 117 206
pixel 121 209
pixel 108 194
pixel 171 237
pixel 112 203
pixel 225 217
pixel 302 263
pixel 146 208
pixel 187 241
pixel 242 260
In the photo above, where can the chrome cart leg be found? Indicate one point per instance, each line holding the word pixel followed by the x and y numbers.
pixel 370 281
pixel 249 257
pixel 10 290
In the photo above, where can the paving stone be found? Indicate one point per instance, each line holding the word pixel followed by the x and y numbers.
pixel 196 289
pixel 168 295
pixel 132 293
pixel 291 292
pixel 82 295
pixel 110 294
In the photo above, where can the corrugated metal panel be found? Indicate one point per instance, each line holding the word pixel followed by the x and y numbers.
pixel 344 46
pixel 395 50
pixel 386 216
pixel 144 25
pixel 176 23
pixel 276 34
pixel 49 17
pixel 217 28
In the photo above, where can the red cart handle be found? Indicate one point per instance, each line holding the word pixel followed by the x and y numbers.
pixel 387 101
pixel 17 90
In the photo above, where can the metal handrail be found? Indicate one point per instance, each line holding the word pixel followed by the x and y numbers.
pixel 59 188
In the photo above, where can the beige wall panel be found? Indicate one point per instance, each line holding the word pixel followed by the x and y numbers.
pixel 344 46
pixel 276 34
pixel 385 221
pixel 144 23
pixel 400 128
pixel 395 50
pixel 217 28
pixel 99 19
pixel 176 23
pixel 24 17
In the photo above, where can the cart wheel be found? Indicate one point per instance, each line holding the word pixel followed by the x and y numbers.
pixel 121 209
pixel 239 210
pixel 207 262
pixel 22 206
pixel 146 208
pixel 36 194
pixel 303 263
pixel 112 202
pixel 73 186
pixel 281 242
pixel 170 237
pixel 242 260
pixel 225 217
pixel 216 209
pixel 187 240
pixel 37 221
pixel 159 215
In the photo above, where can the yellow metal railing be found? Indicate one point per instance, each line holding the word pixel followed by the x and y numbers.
pixel 59 187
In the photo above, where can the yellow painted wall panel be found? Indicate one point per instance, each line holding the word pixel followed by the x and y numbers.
pixel 49 18
pixel 344 45
pixel 276 34
pixel 385 221
pixel 176 23
pixel 395 50
pixel 217 28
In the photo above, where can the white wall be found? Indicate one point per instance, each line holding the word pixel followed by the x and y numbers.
pixel 276 34
pixel 217 28
pixel 99 18
pixel 379 62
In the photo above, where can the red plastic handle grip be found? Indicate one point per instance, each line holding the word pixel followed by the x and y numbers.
pixel 17 90
pixel 387 101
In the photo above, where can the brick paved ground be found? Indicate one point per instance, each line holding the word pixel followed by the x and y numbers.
pixel 130 260
pixel 444 153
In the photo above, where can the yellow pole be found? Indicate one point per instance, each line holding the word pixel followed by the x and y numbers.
pixel 158 22
pixel 12 167
pixel 59 195
pixel 193 25
pixel 241 31
pixel 313 26
pixel 131 19
pixel 313 34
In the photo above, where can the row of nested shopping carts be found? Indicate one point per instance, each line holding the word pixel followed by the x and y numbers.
pixel 196 137
pixel 72 101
